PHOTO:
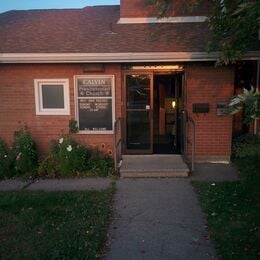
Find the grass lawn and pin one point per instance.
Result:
(233, 213)
(54, 225)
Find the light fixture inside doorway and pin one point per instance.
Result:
(159, 67)
(173, 104)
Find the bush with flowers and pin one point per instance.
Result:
(21, 159)
(71, 157)
(5, 163)
(68, 158)
(100, 164)
(23, 153)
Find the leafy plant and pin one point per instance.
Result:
(73, 126)
(247, 145)
(246, 154)
(24, 153)
(48, 167)
(233, 25)
(100, 164)
(5, 163)
(249, 100)
(68, 158)
(71, 157)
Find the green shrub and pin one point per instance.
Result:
(246, 154)
(48, 167)
(68, 158)
(71, 157)
(6, 170)
(24, 153)
(73, 126)
(100, 164)
(247, 145)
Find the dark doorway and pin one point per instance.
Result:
(168, 103)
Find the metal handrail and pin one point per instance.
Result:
(117, 144)
(190, 120)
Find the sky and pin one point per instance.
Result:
(6, 5)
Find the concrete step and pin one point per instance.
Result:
(153, 166)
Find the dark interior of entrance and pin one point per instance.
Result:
(167, 107)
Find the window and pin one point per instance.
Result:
(95, 104)
(52, 96)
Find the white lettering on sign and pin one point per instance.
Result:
(94, 81)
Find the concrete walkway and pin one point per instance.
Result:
(57, 184)
(158, 219)
(162, 219)
(153, 218)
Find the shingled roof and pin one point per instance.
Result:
(94, 30)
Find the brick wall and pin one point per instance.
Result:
(18, 106)
(204, 84)
(140, 8)
(207, 84)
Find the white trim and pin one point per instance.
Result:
(40, 110)
(176, 19)
(112, 98)
(115, 57)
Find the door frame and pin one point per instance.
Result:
(152, 73)
(124, 99)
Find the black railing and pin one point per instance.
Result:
(117, 144)
(190, 140)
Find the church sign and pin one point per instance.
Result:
(95, 103)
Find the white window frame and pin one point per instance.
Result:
(40, 110)
(112, 98)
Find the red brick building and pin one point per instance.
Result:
(98, 64)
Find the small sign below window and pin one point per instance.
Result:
(200, 108)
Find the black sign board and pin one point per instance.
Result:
(95, 104)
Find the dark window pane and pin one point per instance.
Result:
(52, 96)
(138, 130)
(138, 91)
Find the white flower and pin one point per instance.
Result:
(213, 184)
(5, 155)
(69, 148)
(61, 140)
(18, 156)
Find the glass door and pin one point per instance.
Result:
(139, 119)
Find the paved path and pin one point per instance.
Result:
(158, 219)
(161, 218)
(153, 218)
(57, 184)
